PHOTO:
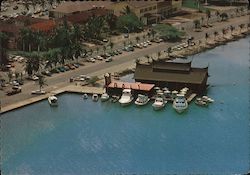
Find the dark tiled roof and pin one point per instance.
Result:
(194, 76)
(138, 4)
(83, 17)
(172, 66)
(10, 28)
(70, 7)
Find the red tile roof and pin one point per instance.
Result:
(45, 26)
(134, 86)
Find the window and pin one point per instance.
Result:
(154, 7)
(150, 8)
(141, 11)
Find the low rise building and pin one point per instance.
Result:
(68, 8)
(174, 75)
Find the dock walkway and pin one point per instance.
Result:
(191, 97)
(69, 89)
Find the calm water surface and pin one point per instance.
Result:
(84, 137)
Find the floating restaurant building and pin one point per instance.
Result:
(174, 75)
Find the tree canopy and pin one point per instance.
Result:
(129, 23)
(167, 32)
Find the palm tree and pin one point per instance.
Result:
(217, 13)
(97, 50)
(104, 49)
(169, 50)
(215, 34)
(153, 33)
(158, 55)
(196, 24)
(241, 26)
(4, 39)
(143, 37)
(231, 29)
(126, 10)
(17, 75)
(9, 74)
(206, 36)
(29, 66)
(202, 20)
(27, 37)
(147, 56)
(41, 82)
(124, 43)
(111, 44)
(208, 14)
(137, 39)
(224, 31)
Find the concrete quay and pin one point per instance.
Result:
(68, 89)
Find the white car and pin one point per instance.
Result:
(34, 77)
(91, 60)
(99, 57)
(38, 92)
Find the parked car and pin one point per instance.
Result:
(61, 69)
(91, 60)
(109, 59)
(66, 68)
(76, 65)
(15, 90)
(35, 78)
(38, 92)
(99, 57)
(47, 73)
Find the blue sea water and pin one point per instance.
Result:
(85, 137)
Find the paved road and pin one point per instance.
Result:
(121, 61)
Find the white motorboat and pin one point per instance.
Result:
(85, 96)
(126, 98)
(159, 103)
(201, 102)
(207, 99)
(180, 103)
(104, 97)
(95, 97)
(174, 94)
(142, 100)
(52, 100)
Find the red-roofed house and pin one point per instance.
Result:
(45, 26)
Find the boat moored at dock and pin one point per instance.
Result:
(95, 97)
(159, 103)
(104, 97)
(126, 97)
(142, 100)
(180, 103)
(53, 100)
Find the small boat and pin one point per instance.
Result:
(95, 97)
(104, 97)
(52, 100)
(85, 96)
(180, 103)
(142, 100)
(158, 103)
(114, 98)
(200, 102)
(207, 99)
(126, 98)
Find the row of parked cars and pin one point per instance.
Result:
(107, 57)
(63, 68)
